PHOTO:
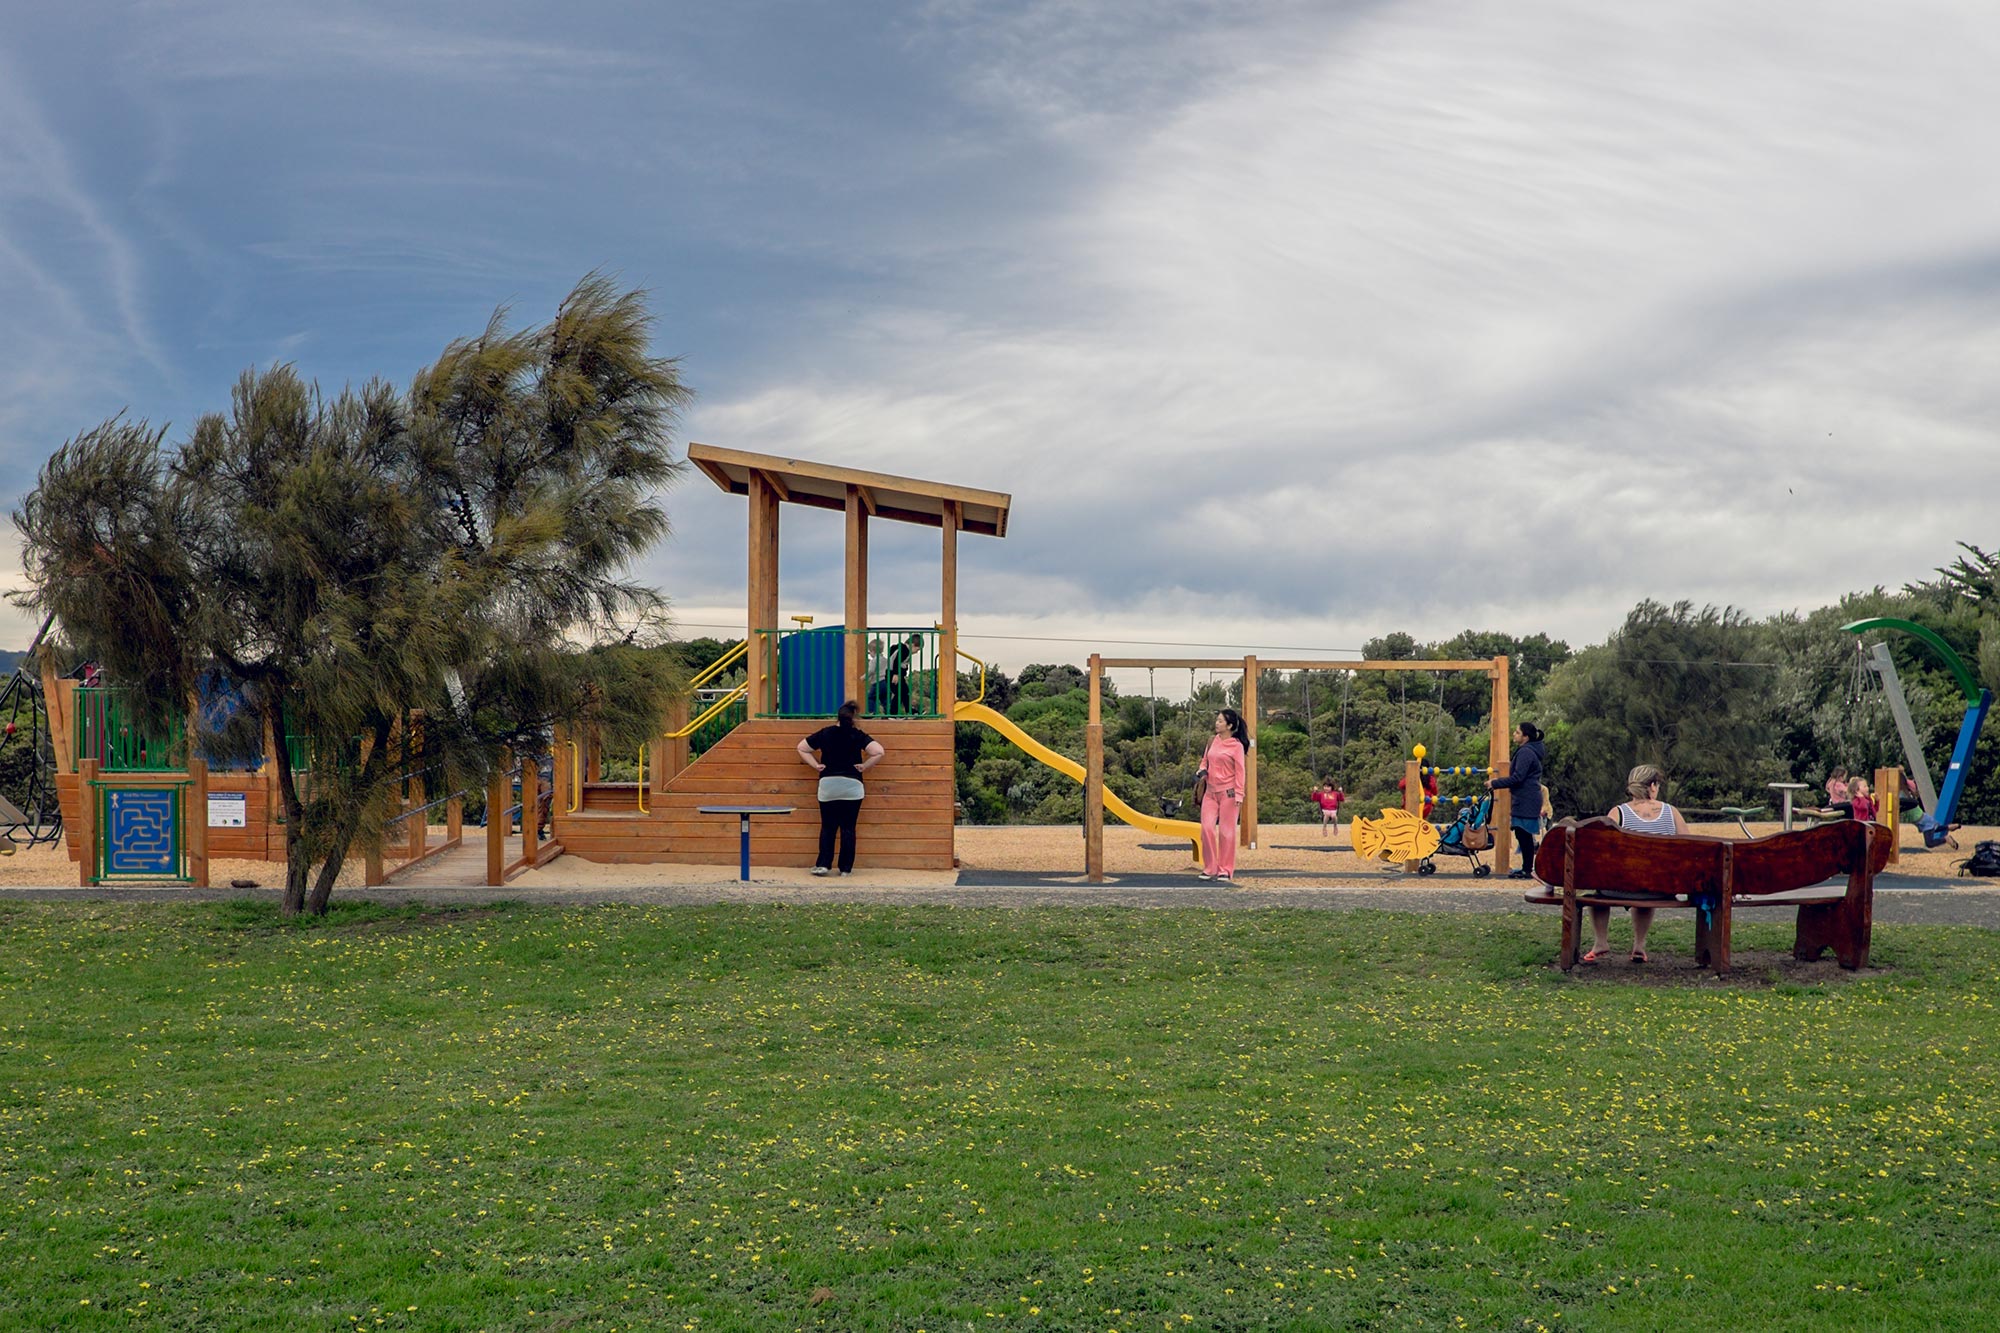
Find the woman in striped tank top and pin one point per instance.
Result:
(1644, 813)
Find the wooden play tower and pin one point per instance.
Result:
(794, 679)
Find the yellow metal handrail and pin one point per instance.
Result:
(642, 781)
(718, 666)
(739, 692)
(981, 696)
(576, 778)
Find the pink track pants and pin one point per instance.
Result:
(1218, 834)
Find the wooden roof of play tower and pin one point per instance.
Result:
(824, 486)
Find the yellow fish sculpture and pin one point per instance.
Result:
(1397, 836)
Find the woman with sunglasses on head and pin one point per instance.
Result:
(1222, 775)
(1644, 813)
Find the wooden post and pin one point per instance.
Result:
(559, 789)
(1413, 795)
(1093, 778)
(763, 606)
(854, 669)
(371, 866)
(274, 754)
(196, 820)
(454, 819)
(86, 789)
(593, 758)
(1499, 760)
(659, 771)
(674, 749)
(531, 803)
(58, 700)
(496, 821)
(1248, 814)
(417, 822)
(1888, 809)
(947, 667)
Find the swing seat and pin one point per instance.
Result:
(1739, 813)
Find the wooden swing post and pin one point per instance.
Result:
(1093, 777)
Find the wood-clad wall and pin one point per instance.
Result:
(906, 822)
(262, 840)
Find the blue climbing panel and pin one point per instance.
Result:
(139, 833)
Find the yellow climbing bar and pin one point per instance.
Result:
(981, 696)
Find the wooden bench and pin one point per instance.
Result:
(1594, 863)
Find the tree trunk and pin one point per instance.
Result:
(336, 854)
(329, 872)
(288, 792)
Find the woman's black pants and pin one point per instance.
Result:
(1525, 841)
(837, 817)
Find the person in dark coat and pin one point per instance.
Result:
(1524, 779)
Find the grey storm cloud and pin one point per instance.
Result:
(1296, 322)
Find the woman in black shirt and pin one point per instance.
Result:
(845, 752)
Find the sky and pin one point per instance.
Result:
(1286, 325)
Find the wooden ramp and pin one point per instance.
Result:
(906, 822)
(462, 865)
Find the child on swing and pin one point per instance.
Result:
(1328, 796)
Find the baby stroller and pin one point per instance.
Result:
(1467, 836)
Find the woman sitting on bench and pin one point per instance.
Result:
(1644, 813)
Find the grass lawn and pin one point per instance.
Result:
(855, 1118)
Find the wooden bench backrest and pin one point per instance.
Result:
(1805, 857)
(1610, 860)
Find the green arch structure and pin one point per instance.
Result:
(1962, 673)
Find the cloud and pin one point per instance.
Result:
(1445, 315)
(1292, 322)
(61, 252)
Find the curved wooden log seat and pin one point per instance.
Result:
(1827, 873)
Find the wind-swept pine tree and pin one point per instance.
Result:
(456, 553)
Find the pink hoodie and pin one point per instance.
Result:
(1224, 762)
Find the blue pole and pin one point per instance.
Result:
(745, 819)
(1937, 826)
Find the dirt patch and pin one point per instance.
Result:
(1749, 969)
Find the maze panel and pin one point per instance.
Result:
(142, 832)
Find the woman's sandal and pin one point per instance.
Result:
(1595, 956)
(1639, 956)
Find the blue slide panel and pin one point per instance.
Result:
(1937, 825)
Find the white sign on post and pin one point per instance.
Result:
(228, 809)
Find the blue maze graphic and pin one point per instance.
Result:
(139, 831)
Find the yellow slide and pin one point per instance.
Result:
(1069, 768)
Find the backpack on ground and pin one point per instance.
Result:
(1984, 861)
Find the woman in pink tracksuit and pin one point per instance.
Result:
(1222, 766)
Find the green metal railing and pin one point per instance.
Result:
(107, 732)
(807, 670)
(716, 722)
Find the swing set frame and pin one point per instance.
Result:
(1498, 755)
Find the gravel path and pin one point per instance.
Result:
(1899, 899)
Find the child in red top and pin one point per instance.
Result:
(1864, 804)
(1328, 797)
(1430, 789)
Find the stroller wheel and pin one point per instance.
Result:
(1427, 868)
(1481, 872)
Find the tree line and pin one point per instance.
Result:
(1723, 702)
